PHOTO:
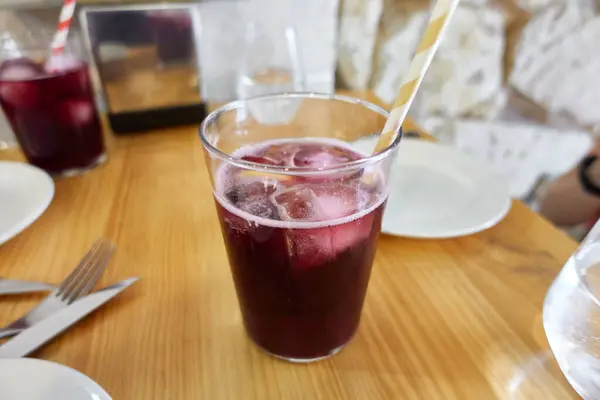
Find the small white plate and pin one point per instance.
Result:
(32, 379)
(25, 192)
(439, 192)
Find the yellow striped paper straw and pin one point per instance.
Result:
(440, 16)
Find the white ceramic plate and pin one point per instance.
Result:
(31, 379)
(25, 192)
(439, 192)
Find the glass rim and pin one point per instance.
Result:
(284, 170)
(31, 51)
(583, 249)
(38, 41)
(48, 75)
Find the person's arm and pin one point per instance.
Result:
(566, 203)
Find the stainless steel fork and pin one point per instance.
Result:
(79, 283)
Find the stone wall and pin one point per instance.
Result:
(514, 83)
(494, 50)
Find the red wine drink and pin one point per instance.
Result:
(50, 107)
(300, 219)
(300, 248)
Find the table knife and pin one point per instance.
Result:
(9, 286)
(45, 330)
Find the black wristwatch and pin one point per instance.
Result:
(584, 177)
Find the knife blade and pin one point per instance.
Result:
(45, 330)
(10, 286)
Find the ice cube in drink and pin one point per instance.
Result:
(300, 250)
(51, 110)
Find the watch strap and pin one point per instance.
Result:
(584, 177)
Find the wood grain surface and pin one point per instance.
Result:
(443, 319)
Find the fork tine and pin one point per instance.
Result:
(88, 271)
(81, 267)
(87, 283)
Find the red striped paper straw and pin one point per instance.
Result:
(64, 23)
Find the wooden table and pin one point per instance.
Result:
(443, 319)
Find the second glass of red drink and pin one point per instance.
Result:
(300, 209)
(49, 103)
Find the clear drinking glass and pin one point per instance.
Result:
(49, 101)
(270, 63)
(300, 210)
(572, 317)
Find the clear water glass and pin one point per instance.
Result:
(270, 63)
(572, 317)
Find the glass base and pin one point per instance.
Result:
(81, 170)
(305, 360)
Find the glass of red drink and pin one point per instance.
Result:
(300, 209)
(49, 103)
